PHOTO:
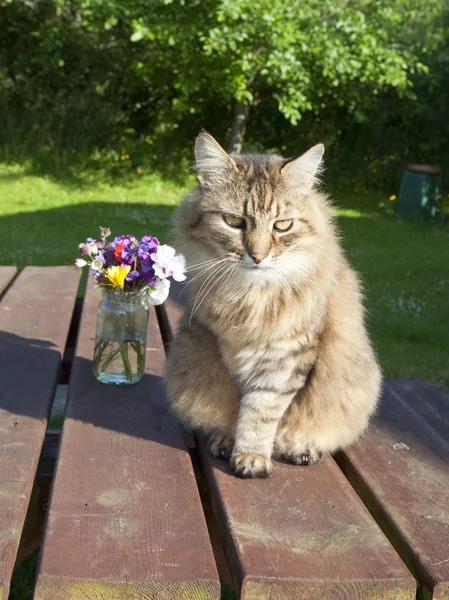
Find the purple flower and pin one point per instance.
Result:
(152, 242)
(147, 246)
(144, 254)
(109, 259)
(148, 274)
(129, 255)
(132, 275)
(126, 240)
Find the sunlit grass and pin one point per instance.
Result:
(350, 213)
(43, 221)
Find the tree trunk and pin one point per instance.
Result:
(238, 128)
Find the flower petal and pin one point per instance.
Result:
(159, 293)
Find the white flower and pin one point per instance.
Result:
(158, 293)
(166, 264)
(97, 265)
(80, 262)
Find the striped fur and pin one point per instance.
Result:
(271, 360)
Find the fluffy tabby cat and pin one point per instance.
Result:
(272, 358)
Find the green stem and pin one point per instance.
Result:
(137, 347)
(126, 363)
(109, 359)
(100, 347)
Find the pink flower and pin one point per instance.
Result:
(166, 264)
(88, 248)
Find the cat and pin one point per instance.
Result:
(272, 358)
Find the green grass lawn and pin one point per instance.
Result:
(404, 265)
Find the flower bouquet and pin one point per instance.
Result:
(132, 274)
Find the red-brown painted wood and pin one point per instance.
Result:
(430, 402)
(401, 467)
(35, 316)
(6, 275)
(125, 517)
(302, 535)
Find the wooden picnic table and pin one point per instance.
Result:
(129, 514)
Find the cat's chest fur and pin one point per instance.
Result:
(243, 358)
(261, 316)
(266, 336)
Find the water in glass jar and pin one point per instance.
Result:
(119, 362)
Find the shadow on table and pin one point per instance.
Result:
(29, 373)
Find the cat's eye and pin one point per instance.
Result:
(234, 221)
(283, 225)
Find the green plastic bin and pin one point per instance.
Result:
(420, 192)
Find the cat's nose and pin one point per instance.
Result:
(258, 256)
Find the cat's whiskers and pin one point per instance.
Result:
(215, 264)
(203, 272)
(215, 276)
(222, 279)
(217, 269)
(199, 265)
(226, 282)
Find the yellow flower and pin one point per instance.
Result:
(393, 197)
(116, 275)
(91, 194)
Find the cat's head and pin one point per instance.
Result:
(260, 213)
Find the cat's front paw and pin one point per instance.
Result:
(248, 465)
(220, 446)
(305, 458)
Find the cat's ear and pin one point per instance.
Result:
(213, 165)
(304, 171)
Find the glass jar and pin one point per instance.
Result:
(120, 340)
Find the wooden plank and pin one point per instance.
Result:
(430, 402)
(302, 535)
(6, 275)
(35, 316)
(401, 468)
(125, 518)
(33, 527)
